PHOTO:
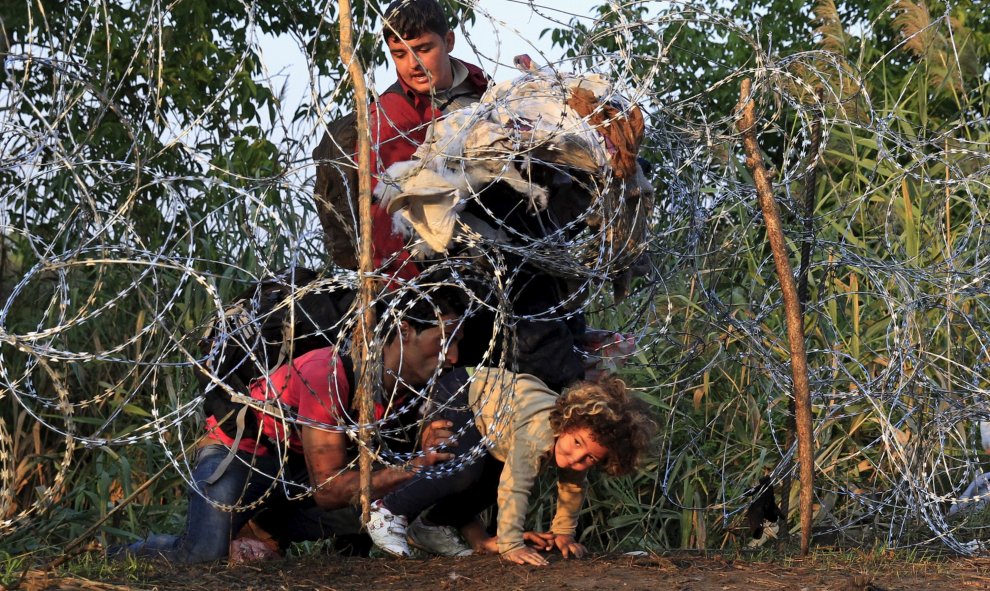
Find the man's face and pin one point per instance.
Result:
(423, 62)
(424, 351)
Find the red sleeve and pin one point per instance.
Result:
(386, 244)
(374, 126)
(397, 129)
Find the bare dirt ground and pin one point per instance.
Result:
(675, 571)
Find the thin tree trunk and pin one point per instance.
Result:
(366, 293)
(810, 189)
(792, 307)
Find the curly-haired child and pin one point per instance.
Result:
(524, 427)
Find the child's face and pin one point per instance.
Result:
(577, 450)
(423, 62)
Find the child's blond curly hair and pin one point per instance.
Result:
(616, 420)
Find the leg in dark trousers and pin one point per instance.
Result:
(422, 492)
(461, 508)
(301, 520)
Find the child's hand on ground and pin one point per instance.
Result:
(568, 547)
(475, 535)
(525, 555)
(484, 544)
(243, 550)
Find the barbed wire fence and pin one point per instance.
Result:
(106, 293)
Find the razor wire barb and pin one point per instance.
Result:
(146, 178)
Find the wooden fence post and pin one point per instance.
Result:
(792, 307)
(365, 295)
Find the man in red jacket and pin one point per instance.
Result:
(430, 83)
(303, 448)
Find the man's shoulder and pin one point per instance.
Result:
(396, 103)
(476, 76)
(323, 375)
(396, 93)
(316, 360)
(320, 353)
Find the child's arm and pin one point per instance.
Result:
(529, 443)
(521, 468)
(518, 476)
(570, 497)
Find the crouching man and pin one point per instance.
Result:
(302, 447)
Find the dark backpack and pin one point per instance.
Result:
(336, 190)
(268, 324)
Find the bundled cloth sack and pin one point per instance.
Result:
(546, 161)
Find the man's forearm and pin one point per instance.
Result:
(341, 490)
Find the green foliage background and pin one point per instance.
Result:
(151, 138)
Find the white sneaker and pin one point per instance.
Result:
(388, 531)
(436, 539)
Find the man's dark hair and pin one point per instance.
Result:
(441, 301)
(409, 19)
(420, 308)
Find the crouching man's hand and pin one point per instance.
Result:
(568, 547)
(436, 434)
(485, 546)
(430, 458)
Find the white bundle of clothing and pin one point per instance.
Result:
(572, 123)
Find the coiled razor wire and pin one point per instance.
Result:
(115, 263)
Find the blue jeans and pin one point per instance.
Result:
(209, 529)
